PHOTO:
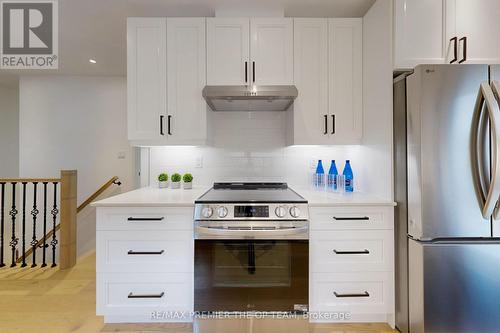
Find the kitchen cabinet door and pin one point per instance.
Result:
(311, 79)
(420, 35)
(345, 62)
(146, 78)
(271, 51)
(186, 121)
(478, 21)
(228, 51)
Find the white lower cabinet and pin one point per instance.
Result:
(145, 296)
(353, 297)
(351, 264)
(145, 264)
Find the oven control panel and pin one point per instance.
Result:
(245, 211)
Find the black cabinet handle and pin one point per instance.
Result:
(352, 252)
(132, 252)
(246, 71)
(464, 50)
(253, 71)
(360, 218)
(168, 124)
(454, 40)
(146, 218)
(160, 295)
(365, 294)
(333, 124)
(326, 124)
(161, 125)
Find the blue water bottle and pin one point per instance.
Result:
(319, 176)
(348, 177)
(332, 176)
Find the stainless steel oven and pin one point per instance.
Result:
(251, 255)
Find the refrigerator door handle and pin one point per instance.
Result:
(495, 86)
(486, 96)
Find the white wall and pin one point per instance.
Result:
(76, 122)
(9, 132)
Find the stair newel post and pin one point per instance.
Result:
(68, 213)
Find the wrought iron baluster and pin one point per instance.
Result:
(2, 222)
(44, 246)
(23, 238)
(54, 213)
(13, 212)
(34, 213)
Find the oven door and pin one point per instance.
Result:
(251, 275)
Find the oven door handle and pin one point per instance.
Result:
(234, 233)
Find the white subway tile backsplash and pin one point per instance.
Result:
(250, 146)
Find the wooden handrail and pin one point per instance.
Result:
(94, 196)
(30, 180)
(97, 193)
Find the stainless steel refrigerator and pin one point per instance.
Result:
(447, 186)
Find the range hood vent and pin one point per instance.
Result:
(245, 98)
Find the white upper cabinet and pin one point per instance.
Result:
(328, 75)
(146, 78)
(271, 51)
(310, 109)
(446, 31)
(477, 25)
(228, 51)
(242, 51)
(166, 73)
(419, 33)
(186, 77)
(345, 76)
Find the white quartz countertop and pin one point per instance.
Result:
(325, 198)
(153, 197)
(156, 197)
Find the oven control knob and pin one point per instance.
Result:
(206, 212)
(280, 211)
(295, 211)
(222, 211)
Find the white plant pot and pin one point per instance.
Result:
(188, 186)
(176, 185)
(163, 184)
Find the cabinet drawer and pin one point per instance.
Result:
(145, 251)
(354, 293)
(350, 251)
(144, 218)
(143, 294)
(339, 218)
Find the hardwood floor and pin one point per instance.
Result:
(53, 301)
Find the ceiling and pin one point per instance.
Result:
(96, 29)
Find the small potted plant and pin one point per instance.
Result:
(188, 181)
(163, 180)
(176, 180)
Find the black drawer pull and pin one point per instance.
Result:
(160, 295)
(365, 294)
(132, 252)
(146, 218)
(352, 252)
(360, 218)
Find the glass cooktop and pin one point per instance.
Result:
(251, 193)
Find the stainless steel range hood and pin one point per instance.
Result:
(248, 98)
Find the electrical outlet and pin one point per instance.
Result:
(313, 163)
(199, 162)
